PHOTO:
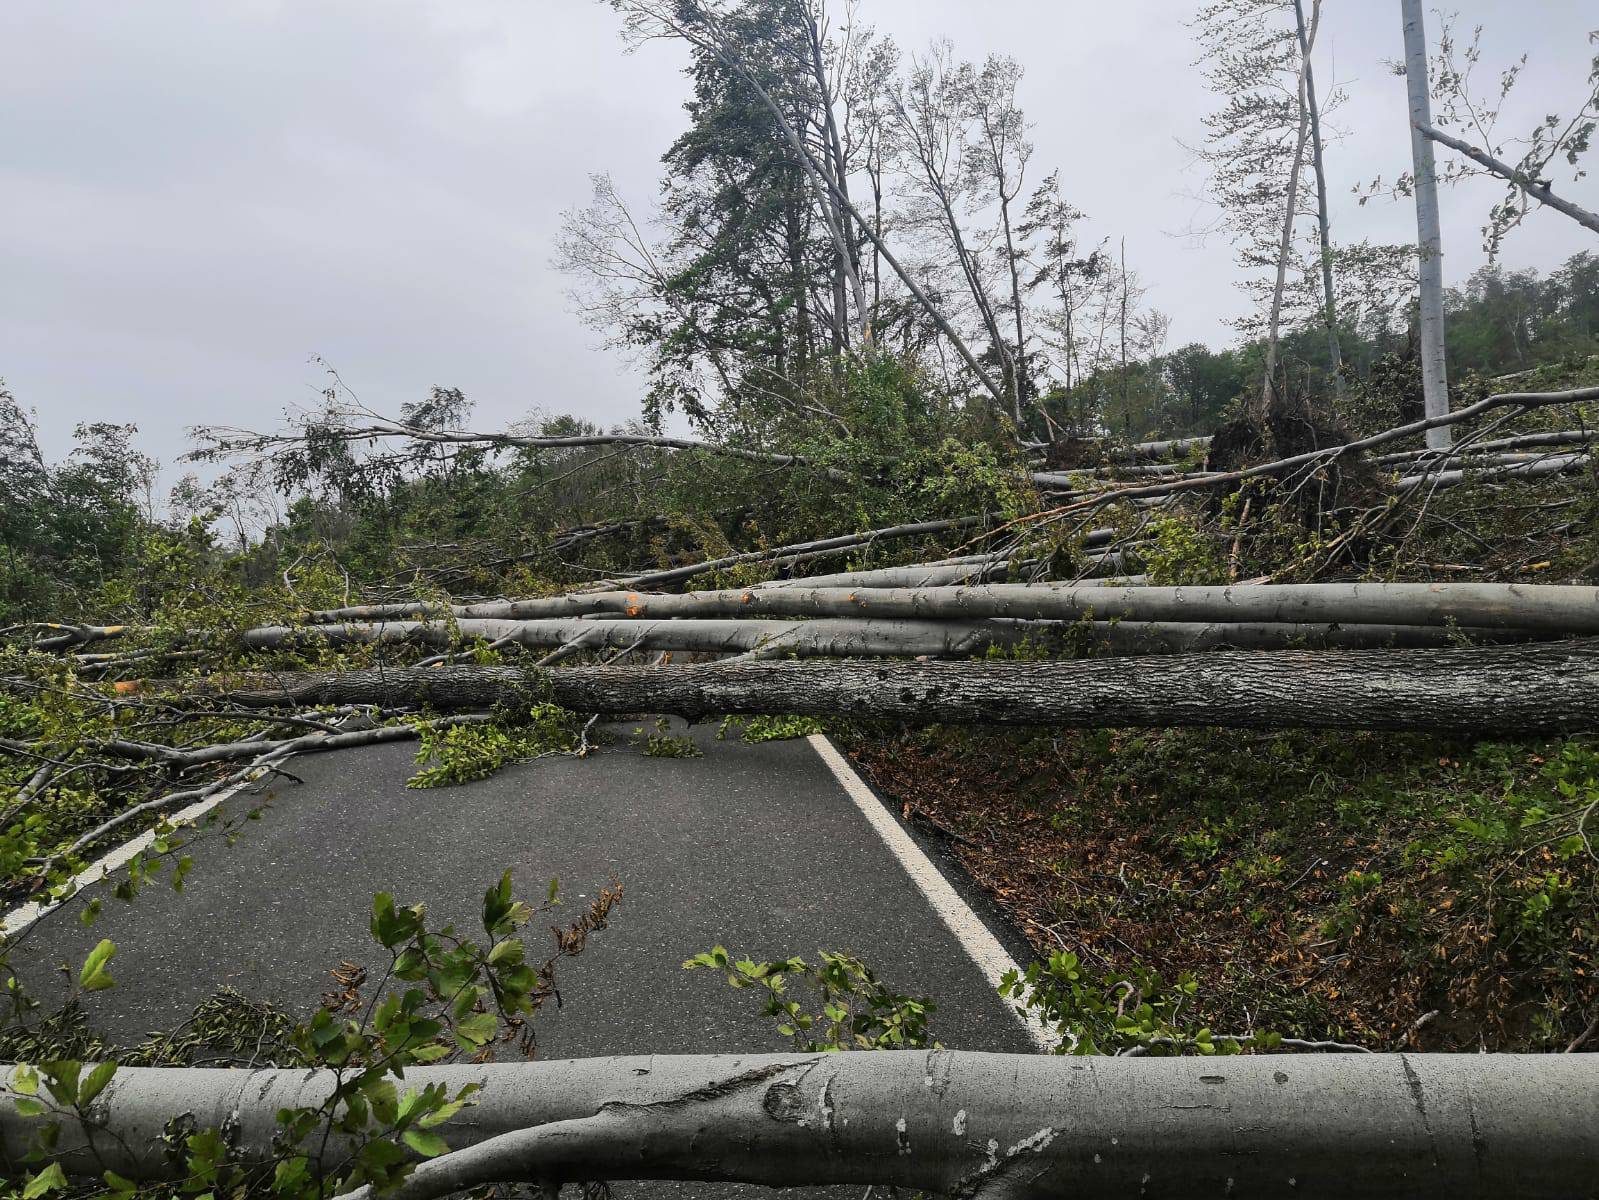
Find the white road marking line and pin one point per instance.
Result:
(20, 918)
(984, 949)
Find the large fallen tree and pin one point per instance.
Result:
(947, 1122)
(845, 637)
(1503, 690)
(1556, 608)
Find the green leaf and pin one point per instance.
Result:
(93, 977)
(29, 1107)
(51, 1179)
(96, 1082)
(428, 1145)
(441, 1115)
(478, 1028)
(508, 951)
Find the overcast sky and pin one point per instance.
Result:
(196, 196)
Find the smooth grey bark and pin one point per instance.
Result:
(1550, 464)
(846, 637)
(1503, 690)
(1455, 1127)
(848, 541)
(1169, 446)
(1429, 236)
(1557, 437)
(841, 638)
(794, 552)
(1549, 608)
(1536, 188)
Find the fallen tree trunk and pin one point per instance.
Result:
(1555, 464)
(1505, 691)
(953, 1123)
(1521, 441)
(858, 637)
(795, 552)
(840, 638)
(1549, 608)
(1318, 458)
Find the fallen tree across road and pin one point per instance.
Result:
(1451, 1126)
(1503, 690)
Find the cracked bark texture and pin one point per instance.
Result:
(958, 1123)
(1503, 690)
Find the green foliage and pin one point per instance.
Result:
(662, 743)
(1180, 551)
(440, 996)
(1117, 1012)
(461, 753)
(849, 1008)
(770, 727)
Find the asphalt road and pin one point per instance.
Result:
(755, 847)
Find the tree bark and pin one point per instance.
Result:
(857, 637)
(1455, 1127)
(1549, 608)
(1535, 188)
(1324, 224)
(1268, 388)
(834, 638)
(1429, 236)
(1505, 691)
(1558, 437)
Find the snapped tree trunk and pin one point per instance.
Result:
(958, 1123)
(1503, 690)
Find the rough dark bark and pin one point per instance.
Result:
(1455, 1127)
(1505, 691)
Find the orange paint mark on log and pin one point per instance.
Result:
(634, 604)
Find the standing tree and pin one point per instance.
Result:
(1256, 57)
(1429, 238)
